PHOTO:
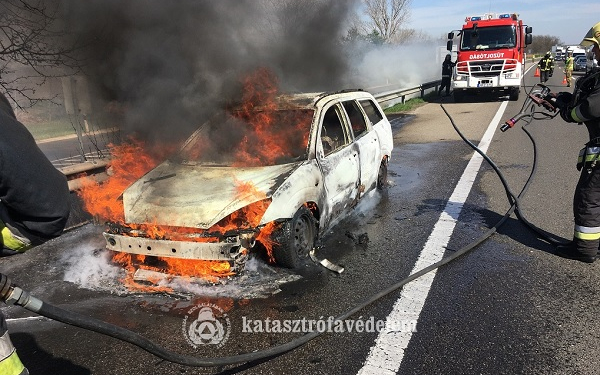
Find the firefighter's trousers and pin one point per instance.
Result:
(586, 209)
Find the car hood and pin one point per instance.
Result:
(198, 196)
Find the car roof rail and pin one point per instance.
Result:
(327, 93)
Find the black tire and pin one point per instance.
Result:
(295, 239)
(459, 97)
(382, 176)
(514, 95)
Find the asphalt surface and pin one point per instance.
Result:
(509, 306)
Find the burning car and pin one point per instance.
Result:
(276, 173)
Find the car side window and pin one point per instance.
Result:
(332, 131)
(372, 111)
(355, 115)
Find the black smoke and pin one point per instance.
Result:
(168, 65)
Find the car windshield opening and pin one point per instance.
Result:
(486, 38)
(250, 138)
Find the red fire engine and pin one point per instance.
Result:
(490, 55)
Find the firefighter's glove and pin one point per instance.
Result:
(565, 113)
(562, 100)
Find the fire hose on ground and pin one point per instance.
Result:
(12, 294)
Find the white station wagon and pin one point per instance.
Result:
(277, 175)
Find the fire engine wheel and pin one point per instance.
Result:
(295, 239)
(458, 97)
(383, 175)
(514, 94)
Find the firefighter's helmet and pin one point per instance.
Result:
(592, 37)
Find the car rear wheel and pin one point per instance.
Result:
(295, 239)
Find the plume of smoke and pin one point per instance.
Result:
(395, 65)
(173, 63)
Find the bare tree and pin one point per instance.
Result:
(387, 17)
(543, 43)
(33, 48)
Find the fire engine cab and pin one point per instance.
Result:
(490, 55)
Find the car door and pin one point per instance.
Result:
(339, 164)
(366, 143)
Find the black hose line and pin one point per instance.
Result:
(10, 293)
(512, 198)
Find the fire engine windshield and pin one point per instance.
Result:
(488, 38)
(250, 139)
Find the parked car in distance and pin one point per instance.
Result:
(580, 64)
(317, 155)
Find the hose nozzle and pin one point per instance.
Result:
(508, 124)
(13, 295)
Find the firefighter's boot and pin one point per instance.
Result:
(572, 251)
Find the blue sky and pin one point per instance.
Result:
(568, 20)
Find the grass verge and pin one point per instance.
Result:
(409, 105)
(50, 129)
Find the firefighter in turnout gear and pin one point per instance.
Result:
(447, 66)
(34, 195)
(583, 106)
(34, 206)
(546, 65)
(569, 68)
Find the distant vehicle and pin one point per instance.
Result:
(580, 64)
(576, 51)
(559, 53)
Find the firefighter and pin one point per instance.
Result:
(34, 206)
(569, 68)
(583, 106)
(34, 195)
(447, 66)
(546, 65)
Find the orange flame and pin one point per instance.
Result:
(265, 143)
(270, 141)
(129, 162)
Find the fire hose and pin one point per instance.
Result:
(12, 294)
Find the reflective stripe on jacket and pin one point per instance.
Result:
(10, 364)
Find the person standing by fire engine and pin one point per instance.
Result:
(34, 206)
(583, 106)
(569, 68)
(447, 66)
(546, 65)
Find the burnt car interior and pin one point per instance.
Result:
(372, 113)
(332, 131)
(238, 138)
(357, 121)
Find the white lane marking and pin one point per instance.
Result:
(386, 355)
(28, 318)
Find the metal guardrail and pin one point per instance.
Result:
(97, 170)
(389, 98)
(78, 174)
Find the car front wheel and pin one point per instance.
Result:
(295, 239)
(382, 176)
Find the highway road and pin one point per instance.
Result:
(509, 306)
(68, 150)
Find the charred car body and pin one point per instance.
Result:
(321, 153)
